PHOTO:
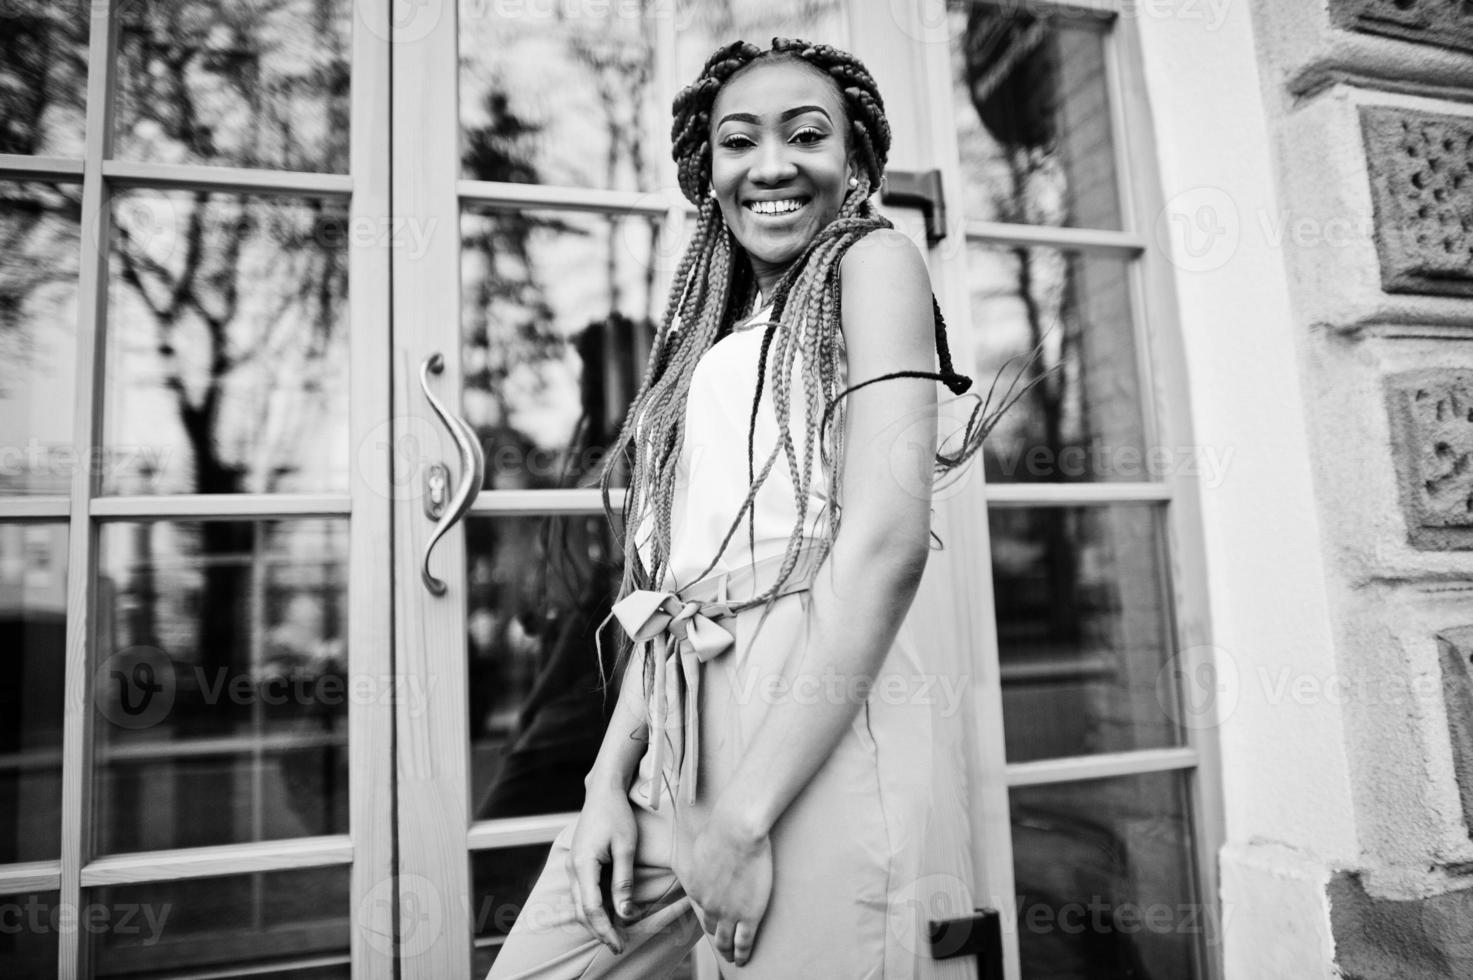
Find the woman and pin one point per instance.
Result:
(757, 791)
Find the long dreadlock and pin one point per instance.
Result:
(713, 286)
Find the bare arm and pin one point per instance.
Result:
(626, 737)
(866, 585)
(606, 833)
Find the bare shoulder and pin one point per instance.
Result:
(886, 302)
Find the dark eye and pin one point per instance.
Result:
(809, 131)
(735, 136)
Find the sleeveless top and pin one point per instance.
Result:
(711, 473)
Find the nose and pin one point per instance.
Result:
(772, 164)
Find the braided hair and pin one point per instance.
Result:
(714, 285)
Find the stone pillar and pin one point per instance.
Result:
(1372, 128)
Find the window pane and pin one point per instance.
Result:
(703, 26)
(557, 315)
(263, 86)
(28, 941)
(227, 345)
(1032, 110)
(43, 78)
(1083, 421)
(222, 683)
(1083, 629)
(292, 924)
(538, 589)
(1106, 880)
(33, 561)
(556, 93)
(38, 334)
(501, 879)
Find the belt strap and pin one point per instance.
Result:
(674, 626)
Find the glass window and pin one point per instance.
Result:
(293, 924)
(33, 562)
(703, 26)
(538, 588)
(1083, 421)
(1083, 629)
(1032, 108)
(1106, 881)
(263, 86)
(29, 927)
(501, 879)
(43, 78)
(558, 93)
(227, 345)
(557, 316)
(41, 227)
(222, 683)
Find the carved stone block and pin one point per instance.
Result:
(1441, 22)
(1421, 167)
(1431, 414)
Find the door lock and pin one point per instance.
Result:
(437, 485)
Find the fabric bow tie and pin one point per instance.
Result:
(689, 628)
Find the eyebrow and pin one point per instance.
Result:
(787, 114)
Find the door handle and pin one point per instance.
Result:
(472, 469)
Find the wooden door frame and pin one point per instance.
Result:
(432, 751)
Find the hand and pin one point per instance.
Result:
(605, 835)
(728, 876)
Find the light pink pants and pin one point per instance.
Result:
(850, 893)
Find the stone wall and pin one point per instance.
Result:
(1370, 108)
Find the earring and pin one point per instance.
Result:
(853, 181)
(711, 192)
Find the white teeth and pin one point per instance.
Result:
(775, 207)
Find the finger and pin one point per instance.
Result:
(574, 892)
(623, 879)
(591, 902)
(743, 940)
(724, 944)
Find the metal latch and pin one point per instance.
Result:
(978, 935)
(918, 189)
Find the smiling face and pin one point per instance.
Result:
(780, 160)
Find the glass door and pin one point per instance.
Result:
(1095, 783)
(197, 721)
(300, 554)
(531, 143)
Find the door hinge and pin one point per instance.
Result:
(978, 935)
(918, 189)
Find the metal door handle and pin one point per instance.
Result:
(472, 469)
